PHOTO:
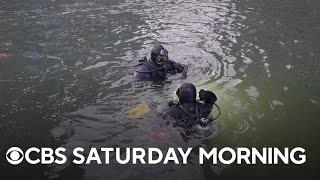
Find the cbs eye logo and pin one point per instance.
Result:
(14, 155)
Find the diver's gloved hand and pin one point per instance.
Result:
(204, 122)
(179, 68)
(207, 96)
(171, 103)
(172, 72)
(185, 72)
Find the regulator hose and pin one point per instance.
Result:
(218, 110)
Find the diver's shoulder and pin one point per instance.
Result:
(144, 66)
(172, 111)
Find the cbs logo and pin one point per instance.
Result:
(46, 155)
(14, 155)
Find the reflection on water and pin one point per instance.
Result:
(68, 78)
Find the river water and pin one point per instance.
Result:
(66, 79)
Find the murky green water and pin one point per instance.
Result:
(67, 80)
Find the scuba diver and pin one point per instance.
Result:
(159, 65)
(189, 112)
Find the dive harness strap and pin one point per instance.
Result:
(197, 114)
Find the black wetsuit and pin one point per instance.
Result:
(188, 114)
(148, 70)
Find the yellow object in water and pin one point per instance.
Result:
(139, 110)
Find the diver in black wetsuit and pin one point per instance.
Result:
(189, 111)
(159, 65)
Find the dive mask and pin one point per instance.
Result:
(162, 57)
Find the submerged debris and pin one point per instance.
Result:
(159, 134)
(4, 54)
(138, 111)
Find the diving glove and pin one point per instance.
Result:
(204, 122)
